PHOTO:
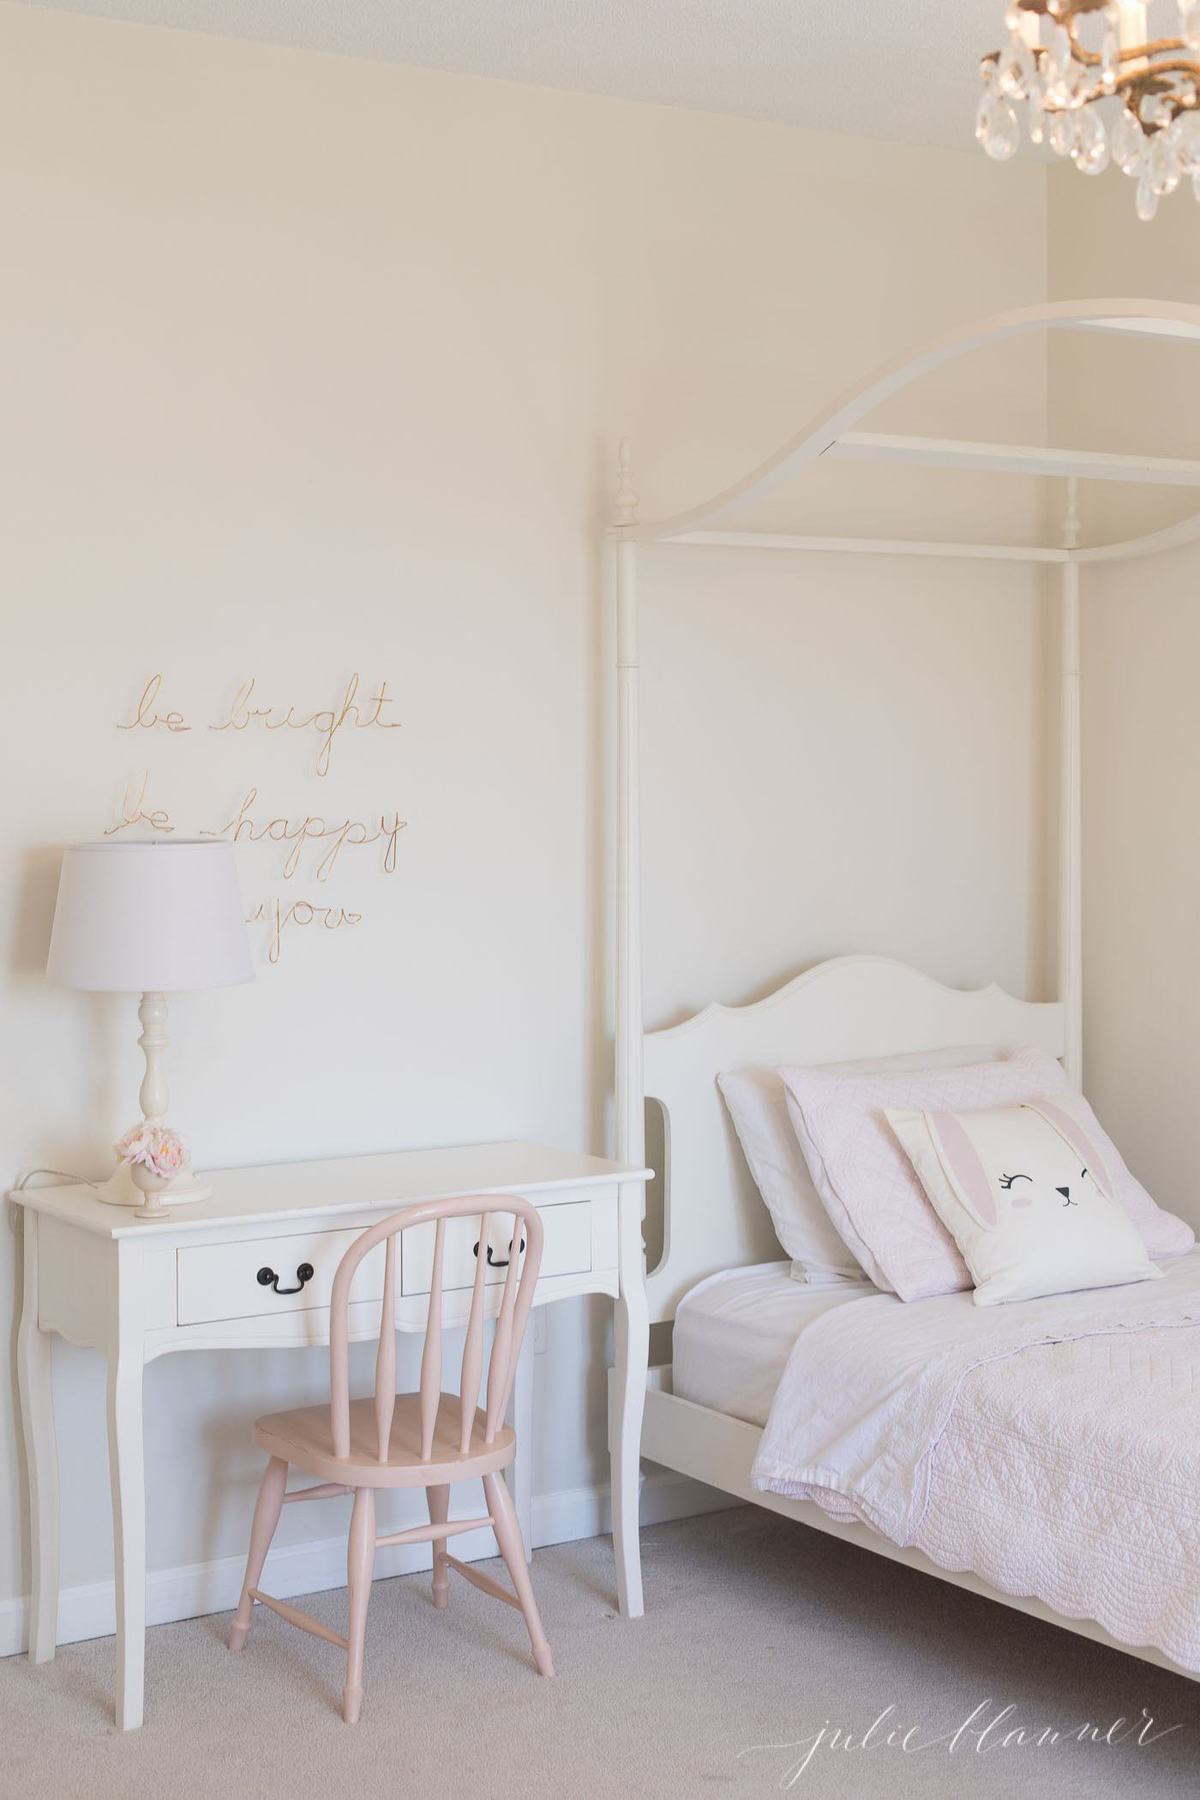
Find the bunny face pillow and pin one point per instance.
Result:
(1026, 1196)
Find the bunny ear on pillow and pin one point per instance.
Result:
(963, 1167)
(1079, 1139)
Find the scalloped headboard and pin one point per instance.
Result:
(855, 1006)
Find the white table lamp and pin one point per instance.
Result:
(151, 919)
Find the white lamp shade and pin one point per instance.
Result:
(146, 918)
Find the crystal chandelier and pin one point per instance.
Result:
(1066, 58)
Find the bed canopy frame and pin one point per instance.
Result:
(833, 434)
(688, 1050)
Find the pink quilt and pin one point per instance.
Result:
(1055, 1452)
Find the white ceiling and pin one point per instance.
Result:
(905, 69)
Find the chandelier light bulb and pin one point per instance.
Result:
(1134, 32)
(1057, 57)
(1110, 59)
(1095, 83)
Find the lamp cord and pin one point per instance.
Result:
(60, 1175)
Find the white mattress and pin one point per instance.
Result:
(733, 1333)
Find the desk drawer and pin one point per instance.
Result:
(221, 1281)
(567, 1249)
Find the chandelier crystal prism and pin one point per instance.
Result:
(1068, 63)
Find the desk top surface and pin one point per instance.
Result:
(346, 1184)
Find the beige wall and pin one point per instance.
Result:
(1141, 647)
(317, 365)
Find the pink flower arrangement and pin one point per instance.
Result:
(156, 1148)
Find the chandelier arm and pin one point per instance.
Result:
(1178, 66)
(1089, 58)
(1041, 7)
(1136, 53)
(1128, 85)
(1156, 47)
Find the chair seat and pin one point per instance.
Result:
(305, 1437)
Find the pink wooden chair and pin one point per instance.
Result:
(428, 1439)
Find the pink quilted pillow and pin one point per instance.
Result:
(868, 1186)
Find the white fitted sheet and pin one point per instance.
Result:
(734, 1333)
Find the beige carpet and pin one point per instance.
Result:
(758, 1633)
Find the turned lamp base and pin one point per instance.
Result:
(136, 1184)
(182, 1190)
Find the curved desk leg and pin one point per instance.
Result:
(41, 1454)
(627, 1401)
(127, 1474)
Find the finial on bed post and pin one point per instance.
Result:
(626, 507)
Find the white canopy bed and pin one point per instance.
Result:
(717, 1231)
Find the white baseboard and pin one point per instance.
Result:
(195, 1589)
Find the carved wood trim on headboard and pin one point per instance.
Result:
(854, 1006)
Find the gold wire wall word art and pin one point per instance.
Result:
(313, 830)
(134, 810)
(146, 715)
(310, 844)
(280, 915)
(326, 722)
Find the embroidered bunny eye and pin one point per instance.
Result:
(1006, 1181)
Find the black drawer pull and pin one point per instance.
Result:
(497, 1262)
(268, 1278)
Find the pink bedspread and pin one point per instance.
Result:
(1079, 1482)
(1055, 1451)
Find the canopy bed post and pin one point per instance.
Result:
(1070, 890)
(627, 1390)
(631, 1126)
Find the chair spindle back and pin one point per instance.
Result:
(520, 1280)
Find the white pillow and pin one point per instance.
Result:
(757, 1102)
(1027, 1195)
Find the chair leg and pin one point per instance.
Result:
(512, 1549)
(266, 1517)
(438, 1499)
(360, 1569)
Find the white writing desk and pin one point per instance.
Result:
(252, 1267)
